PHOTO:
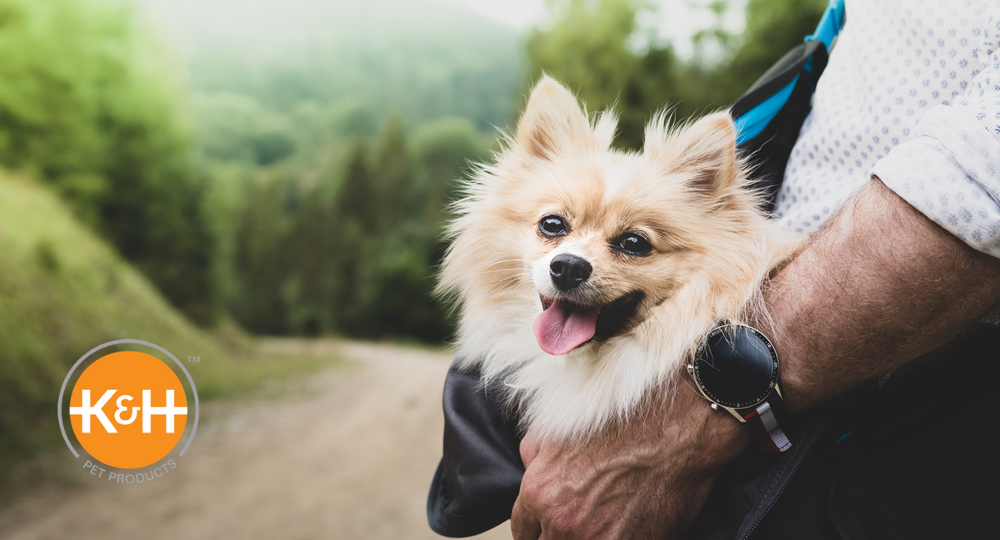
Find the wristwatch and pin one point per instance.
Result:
(736, 368)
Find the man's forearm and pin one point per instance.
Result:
(879, 286)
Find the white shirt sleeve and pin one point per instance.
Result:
(950, 170)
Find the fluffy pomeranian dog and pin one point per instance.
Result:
(586, 276)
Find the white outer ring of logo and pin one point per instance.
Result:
(62, 391)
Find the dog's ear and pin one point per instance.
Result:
(553, 121)
(706, 150)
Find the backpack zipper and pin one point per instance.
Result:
(806, 450)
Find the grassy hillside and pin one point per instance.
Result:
(63, 291)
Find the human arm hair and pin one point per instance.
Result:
(879, 286)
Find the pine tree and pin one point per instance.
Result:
(354, 216)
(392, 179)
(312, 242)
(261, 261)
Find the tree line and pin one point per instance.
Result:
(354, 251)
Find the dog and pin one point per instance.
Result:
(585, 276)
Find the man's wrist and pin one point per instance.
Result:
(788, 340)
(723, 437)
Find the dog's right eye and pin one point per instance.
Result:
(553, 225)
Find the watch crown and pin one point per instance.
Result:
(690, 368)
(715, 406)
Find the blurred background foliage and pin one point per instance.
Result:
(602, 50)
(190, 171)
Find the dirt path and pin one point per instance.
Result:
(349, 455)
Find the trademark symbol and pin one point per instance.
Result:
(194, 359)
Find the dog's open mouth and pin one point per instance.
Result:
(564, 325)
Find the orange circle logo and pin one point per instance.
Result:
(128, 409)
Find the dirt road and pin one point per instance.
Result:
(348, 455)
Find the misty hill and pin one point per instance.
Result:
(421, 59)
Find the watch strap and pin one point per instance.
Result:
(763, 421)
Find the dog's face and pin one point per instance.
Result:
(596, 237)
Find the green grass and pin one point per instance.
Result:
(63, 291)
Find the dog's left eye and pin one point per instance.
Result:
(633, 244)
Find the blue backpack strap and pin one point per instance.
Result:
(830, 24)
(750, 123)
(769, 115)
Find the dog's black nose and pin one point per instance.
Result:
(569, 271)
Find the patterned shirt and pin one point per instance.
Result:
(911, 94)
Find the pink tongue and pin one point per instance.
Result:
(563, 327)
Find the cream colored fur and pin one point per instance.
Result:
(687, 192)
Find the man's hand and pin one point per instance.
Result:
(645, 479)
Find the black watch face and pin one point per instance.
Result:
(736, 366)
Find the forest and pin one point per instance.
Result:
(284, 167)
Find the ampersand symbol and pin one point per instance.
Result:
(123, 408)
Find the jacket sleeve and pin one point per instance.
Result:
(951, 170)
(479, 476)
